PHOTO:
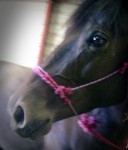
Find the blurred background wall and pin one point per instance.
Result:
(31, 29)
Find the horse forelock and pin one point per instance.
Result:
(113, 12)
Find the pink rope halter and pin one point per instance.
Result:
(87, 123)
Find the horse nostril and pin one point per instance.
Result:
(19, 115)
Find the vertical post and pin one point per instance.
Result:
(45, 30)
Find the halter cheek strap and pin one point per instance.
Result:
(87, 123)
(62, 91)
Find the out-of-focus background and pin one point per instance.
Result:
(31, 29)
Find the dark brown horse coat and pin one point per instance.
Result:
(94, 46)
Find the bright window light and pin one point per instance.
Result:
(21, 26)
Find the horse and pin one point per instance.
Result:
(65, 134)
(95, 45)
(11, 77)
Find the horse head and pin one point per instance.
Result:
(94, 46)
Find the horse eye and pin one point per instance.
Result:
(97, 40)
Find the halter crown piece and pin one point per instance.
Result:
(87, 123)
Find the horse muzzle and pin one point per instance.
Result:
(29, 127)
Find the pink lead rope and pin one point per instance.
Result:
(87, 123)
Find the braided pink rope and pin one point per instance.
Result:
(124, 68)
(88, 124)
(121, 70)
(62, 91)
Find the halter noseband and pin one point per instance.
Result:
(87, 123)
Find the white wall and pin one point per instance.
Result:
(21, 25)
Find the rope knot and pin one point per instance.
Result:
(87, 123)
(124, 68)
(62, 91)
